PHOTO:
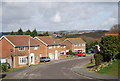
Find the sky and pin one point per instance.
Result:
(58, 16)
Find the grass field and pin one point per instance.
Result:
(112, 69)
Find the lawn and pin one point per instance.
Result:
(112, 69)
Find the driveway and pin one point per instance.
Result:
(54, 70)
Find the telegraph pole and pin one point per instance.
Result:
(29, 52)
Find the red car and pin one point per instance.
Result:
(81, 54)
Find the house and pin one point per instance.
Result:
(20, 50)
(51, 47)
(75, 44)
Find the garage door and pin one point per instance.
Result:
(51, 55)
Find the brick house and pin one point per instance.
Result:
(75, 44)
(51, 47)
(19, 50)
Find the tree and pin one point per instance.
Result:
(115, 29)
(20, 32)
(46, 34)
(12, 33)
(28, 32)
(109, 47)
(91, 45)
(98, 59)
(34, 33)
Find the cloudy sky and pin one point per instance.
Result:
(55, 16)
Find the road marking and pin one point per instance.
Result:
(86, 76)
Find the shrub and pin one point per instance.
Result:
(98, 59)
(117, 56)
(75, 52)
(4, 67)
(70, 53)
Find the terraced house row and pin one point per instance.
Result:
(23, 50)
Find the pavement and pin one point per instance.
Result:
(73, 68)
(82, 70)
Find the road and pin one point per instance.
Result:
(57, 70)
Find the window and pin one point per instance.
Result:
(2, 60)
(40, 55)
(50, 47)
(83, 44)
(64, 46)
(21, 48)
(75, 45)
(36, 57)
(36, 47)
(23, 60)
(62, 52)
(58, 46)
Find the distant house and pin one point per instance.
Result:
(75, 44)
(97, 48)
(51, 47)
(19, 50)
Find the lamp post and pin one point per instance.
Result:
(29, 52)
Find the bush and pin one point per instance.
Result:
(70, 53)
(117, 56)
(75, 52)
(98, 59)
(4, 67)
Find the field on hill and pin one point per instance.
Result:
(88, 37)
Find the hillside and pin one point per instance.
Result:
(88, 37)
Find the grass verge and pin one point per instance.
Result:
(12, 70)
(112, 69)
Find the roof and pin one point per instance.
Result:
(48, 40)
(21, 40)
(112, 34)
(75, 40)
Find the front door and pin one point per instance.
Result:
(32, 58)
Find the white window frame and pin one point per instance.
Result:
(36, 47)
(75, 45)
(20, 49)
(36, 58)
(58, 46)
(83, 44)
(40, 55)
(21, 58)
(3, 60)
(64, 47)
(50, 47)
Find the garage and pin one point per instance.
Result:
(51, 55)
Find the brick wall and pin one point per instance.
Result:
(68, 45)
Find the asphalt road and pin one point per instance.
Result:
(57, 70)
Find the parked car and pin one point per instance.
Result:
(44, 59)
(81, 54)
(7, 64)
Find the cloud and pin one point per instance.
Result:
(52, 16)
(57, 17)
